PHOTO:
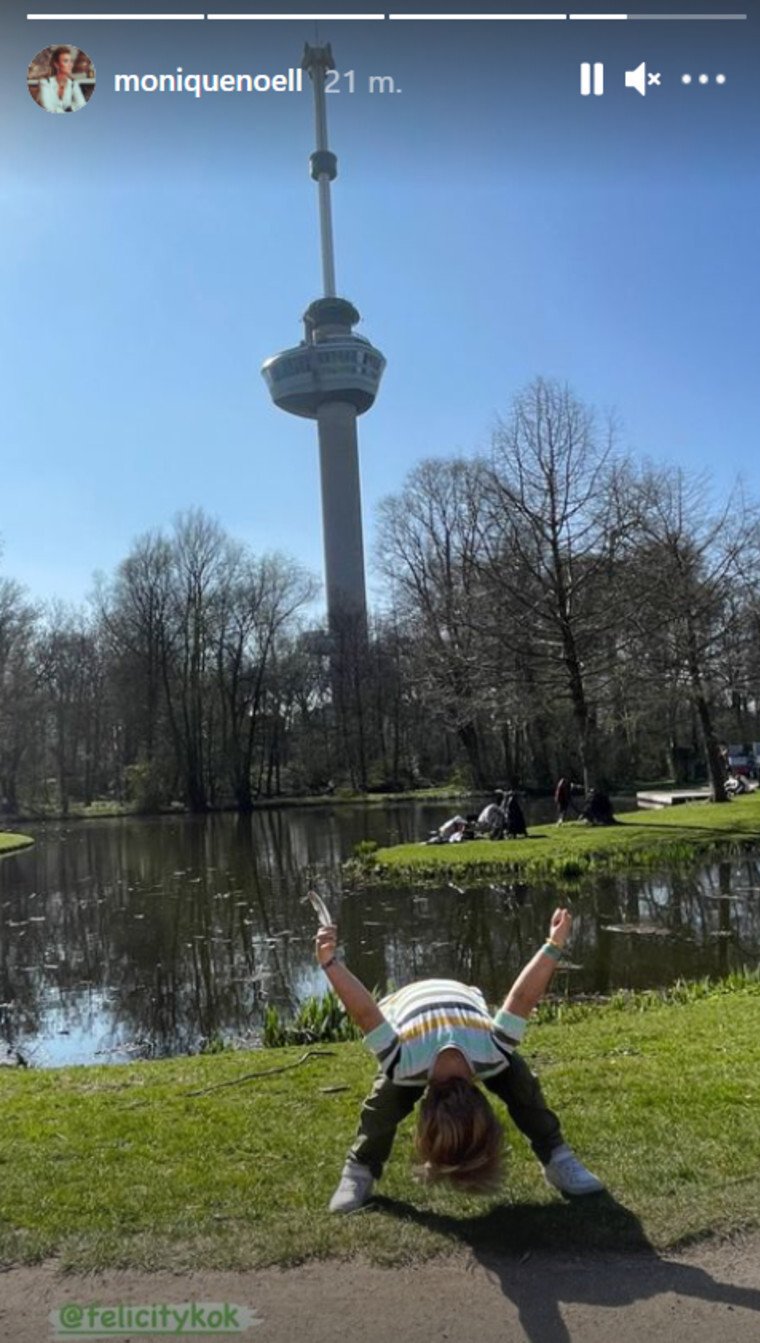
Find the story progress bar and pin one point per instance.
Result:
(489, 18)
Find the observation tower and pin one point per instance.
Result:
(331, 376)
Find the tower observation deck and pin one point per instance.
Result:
(331, 376)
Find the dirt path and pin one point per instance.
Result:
(709, 1295)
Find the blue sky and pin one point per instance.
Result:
(490, 225)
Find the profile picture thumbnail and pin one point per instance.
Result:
(61, 78)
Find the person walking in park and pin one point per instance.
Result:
(435, 1042)
(563, 798)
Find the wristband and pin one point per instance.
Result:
(552, 949)
(327, 964)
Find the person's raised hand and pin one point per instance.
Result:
(326, 942)
(559, 929)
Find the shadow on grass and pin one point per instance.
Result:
(625, 1269)
(596, 1222)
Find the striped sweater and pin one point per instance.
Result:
(432, 1014)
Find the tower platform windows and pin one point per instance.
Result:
(341, 369)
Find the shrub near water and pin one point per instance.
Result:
(365, 849)
(317, 1020)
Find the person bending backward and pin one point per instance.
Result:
(435, 1042)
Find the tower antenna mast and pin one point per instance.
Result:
(324, 164)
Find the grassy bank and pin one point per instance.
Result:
(641, 839)
(119, 1166)
(11, 843)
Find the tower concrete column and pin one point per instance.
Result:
(341, 508)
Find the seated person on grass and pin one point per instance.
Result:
(492, 818)
(515, 827)
(598, 809)
(456, 830)
(435, 1041)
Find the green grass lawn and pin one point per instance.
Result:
(10, 843)
(642, 839)
(117, 1166)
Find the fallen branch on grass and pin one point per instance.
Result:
(247, 1077)
(266, 1072)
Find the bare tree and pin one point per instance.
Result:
(199, 551)
(429, 539)
(70, 676)
(557, 523)
(18, 688)
(691, 566)
(134, 609)
(257, 603)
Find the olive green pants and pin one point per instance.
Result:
(388, 1103)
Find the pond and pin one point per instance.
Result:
(141, 938)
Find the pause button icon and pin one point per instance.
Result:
(598, 82)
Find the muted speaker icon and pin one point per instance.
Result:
(639, 79)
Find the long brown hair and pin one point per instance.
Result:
(459, 1138)
(55, 55)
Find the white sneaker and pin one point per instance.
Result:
(566, 1173)
(355, 1188)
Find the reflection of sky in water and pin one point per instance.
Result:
(136, 939)
(77, 1031)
